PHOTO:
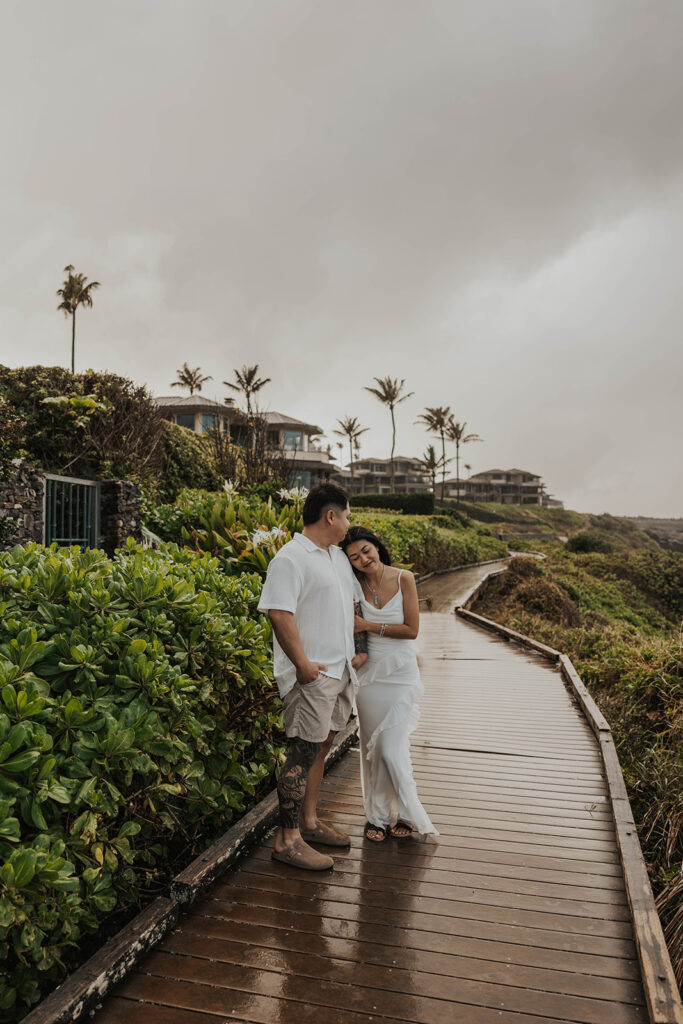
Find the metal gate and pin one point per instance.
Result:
(72, 508)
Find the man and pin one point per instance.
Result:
(308, 595)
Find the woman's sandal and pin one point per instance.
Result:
(401, 825)
(369, 827)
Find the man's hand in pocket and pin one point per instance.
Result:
(309, 671)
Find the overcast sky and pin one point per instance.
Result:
(485, 198)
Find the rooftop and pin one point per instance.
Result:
(196, 402)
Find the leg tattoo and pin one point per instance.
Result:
(291, 785)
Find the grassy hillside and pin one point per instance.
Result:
(618, 615)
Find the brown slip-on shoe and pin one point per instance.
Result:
(301, 855)
(328, 835)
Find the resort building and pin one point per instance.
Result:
(504, 486)
(197, 412)
(310, 463)
(373, 476)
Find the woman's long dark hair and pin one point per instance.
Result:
(362, 533)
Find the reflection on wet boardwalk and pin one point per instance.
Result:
(515, 914)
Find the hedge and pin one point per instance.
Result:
(418, 504)
(425, 545)
(138, 719)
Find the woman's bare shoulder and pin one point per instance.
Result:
(408, 580)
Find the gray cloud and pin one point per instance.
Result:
(484, 198)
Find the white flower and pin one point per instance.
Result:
(230, 488)
(266, 536)
(293, 494)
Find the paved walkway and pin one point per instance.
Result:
(515, 914)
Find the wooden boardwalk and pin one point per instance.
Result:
(515, 914)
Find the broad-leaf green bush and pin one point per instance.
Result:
(241, 530)
(138, 719)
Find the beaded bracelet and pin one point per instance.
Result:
(385, 626)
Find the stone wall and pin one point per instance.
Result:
(22, 499)
(119, 513)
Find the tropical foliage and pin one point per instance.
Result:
(88, 425)
(11, 431)
(248, 383)
(456, 433)
(350, 428)
(436, 419)
(244, 537)
(389, 391)
(187, 461)
(138, 720)
(433, 463)
(192, 379)
(74, 293)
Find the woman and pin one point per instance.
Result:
(389, 688)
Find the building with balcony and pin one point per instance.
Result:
(310, 463)
(373, 476)
(198, 413)
(298, 439)
(504, 486)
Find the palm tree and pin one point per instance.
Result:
(433, 463)
(74, 293)
(388, 391)
(435, 418)
(192, 379)
(351, 429)
(248, 382)
(469, 470)
(455, 432)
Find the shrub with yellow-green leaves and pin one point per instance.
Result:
(138, 719)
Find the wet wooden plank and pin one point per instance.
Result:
(196, 983)
(490, 964)
(507, 944)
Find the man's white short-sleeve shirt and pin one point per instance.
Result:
(316, 585)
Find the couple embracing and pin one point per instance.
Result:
(344, 624)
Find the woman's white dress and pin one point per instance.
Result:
(387, 696)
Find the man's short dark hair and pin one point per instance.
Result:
(320, 498)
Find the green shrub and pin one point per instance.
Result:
(588, 540)
(418, 542)
(101, 425)
(625, 642)
(139, 718)
(187, 462)
(417, 504)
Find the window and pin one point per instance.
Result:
(293, 439)
(303, 478)
(209, 421)
(185, 419)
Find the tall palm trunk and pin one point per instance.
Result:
(351, 455)
(393, 445)
(457, 472)
(443, 467)
(73, 341)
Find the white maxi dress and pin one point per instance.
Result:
(389, 688)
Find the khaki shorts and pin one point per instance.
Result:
(314, 710)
